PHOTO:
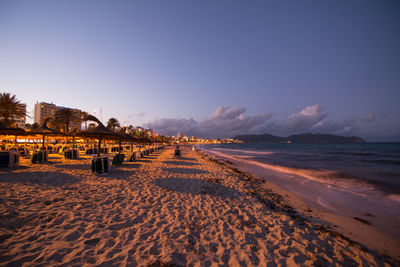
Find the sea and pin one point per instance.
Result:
(349, 179)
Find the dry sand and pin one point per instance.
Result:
(159, 210)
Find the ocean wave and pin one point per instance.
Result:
(322, 203)
(394, 197)
(246, 151)
(244, 157)
(384, 161)
(330, 178)
(356, 153)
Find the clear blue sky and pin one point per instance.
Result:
(212, 68)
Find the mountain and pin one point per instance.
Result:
(262, 138)
(305, 138)
(324, 138)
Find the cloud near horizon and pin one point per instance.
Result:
(369, 118)
(233, 120)
(309, 117)
(228, 121)
(225, 121)
(314, 119)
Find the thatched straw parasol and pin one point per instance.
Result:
(99, 132)
(124, 137)
(11, 131)
(75, 132)
(44, 130)
(142, 140)
(130, 138)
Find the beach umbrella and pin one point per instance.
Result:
(11, 131)
(100, 132)
(130, 138)
(73, 134)
(124, 137)
(141, 140)
(44, 131)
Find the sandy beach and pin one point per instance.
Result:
(162, 211)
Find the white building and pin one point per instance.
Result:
(45, 110)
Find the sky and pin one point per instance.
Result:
(211, 68)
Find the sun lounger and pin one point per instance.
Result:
(23, 151)
(91, 151)
(115, 149)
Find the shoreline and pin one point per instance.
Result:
(190, 210)
(358, 230)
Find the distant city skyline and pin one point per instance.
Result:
(212, 69)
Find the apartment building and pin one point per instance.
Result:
(45, 110)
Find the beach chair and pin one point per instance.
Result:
(23, 151)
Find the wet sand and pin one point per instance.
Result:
(375, 229)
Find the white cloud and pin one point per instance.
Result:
(346, 127)
(233, 120)
(225, 121)
(309, 117)
(369, 118)
(228, 121)
(140, 115)
(173, 126)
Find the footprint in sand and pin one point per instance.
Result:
(92, 242)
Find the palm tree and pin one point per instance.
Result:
(10, 107)
(130, 128)
(113, 123)
(65, 116)
(85, 118)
